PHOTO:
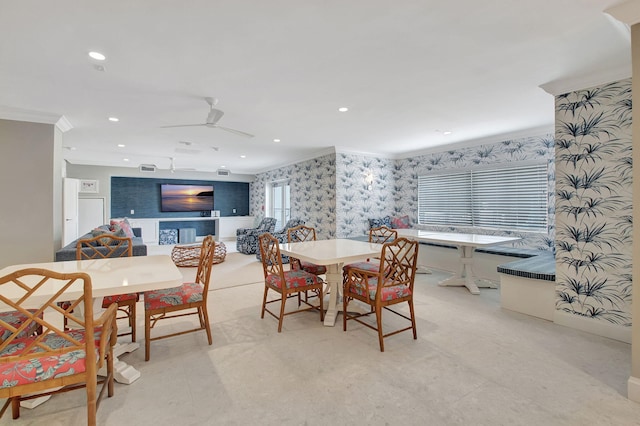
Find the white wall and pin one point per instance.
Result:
(31, 192)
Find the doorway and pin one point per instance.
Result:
(279, 202)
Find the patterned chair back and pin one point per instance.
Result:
(268, 224)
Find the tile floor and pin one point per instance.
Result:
(472, 364)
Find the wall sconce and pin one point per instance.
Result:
(368, 180)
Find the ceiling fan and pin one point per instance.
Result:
(212, 120)
(173, 169)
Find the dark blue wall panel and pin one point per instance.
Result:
(143, 196)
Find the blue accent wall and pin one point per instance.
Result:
(143, 196)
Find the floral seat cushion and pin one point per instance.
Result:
(293, 279)
(37, 369)
(182, 295)
(388, 293)
(312, 268)
(14, 319)
(108, 300)
(367, 266)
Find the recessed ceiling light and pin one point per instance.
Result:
(114, 119)
(343, 109)
(125, 159)
(447, 132)
(243, 156)
(223, 167)
(121, 145)
(276, 140)
(97, 56)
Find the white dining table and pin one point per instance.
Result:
(109, 277)
(466, 244)
(333, 254)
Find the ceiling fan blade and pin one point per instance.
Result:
(237, 132)
(183, 125)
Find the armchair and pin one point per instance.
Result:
(247, 238)
(282, 236)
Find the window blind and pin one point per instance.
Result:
(510, 197)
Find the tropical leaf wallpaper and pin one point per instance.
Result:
(356, 203)
(313, 193)
(594, 203)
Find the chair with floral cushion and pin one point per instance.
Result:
(281, 236)
(391, 284)
(247, 238)
(115, 247)
(11, 320)
(298, 234)
(286, 283)
(53, 360)
(188, 299)
(379, 235)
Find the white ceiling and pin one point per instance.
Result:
(408, 70)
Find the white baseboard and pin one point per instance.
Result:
(633, 389)
(590, 325)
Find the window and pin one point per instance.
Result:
(509, 197)
(279, 202)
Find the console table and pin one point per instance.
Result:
(225, 227)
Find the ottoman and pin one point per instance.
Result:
(189, 254)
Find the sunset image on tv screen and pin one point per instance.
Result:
(186, 198)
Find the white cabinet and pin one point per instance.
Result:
(229, 224)
(149, 229)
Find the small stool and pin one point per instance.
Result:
(189, 255)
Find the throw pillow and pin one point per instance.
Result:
(376, 223)
(402, 222)
(99, 231)
(124, 225)
(107, 240)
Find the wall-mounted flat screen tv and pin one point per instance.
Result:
(186, 198)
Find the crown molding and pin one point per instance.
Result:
(627, 12)
(19, 114)
(532, 132)
(310, 156)
(340, 150)
(562, 86)
(64, 124)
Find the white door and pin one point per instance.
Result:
(91, 213)
(70, 190)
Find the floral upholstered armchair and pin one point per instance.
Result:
(247, 238)
(281, 235)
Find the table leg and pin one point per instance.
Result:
(334, 278)
(465, 276)
(123, 372)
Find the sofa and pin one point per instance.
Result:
(68, 252)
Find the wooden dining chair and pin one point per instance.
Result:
(302, 233)
(54, 360)
(379, 235)
(187, 299)
(286, 283)
(391, 284)
(108, 246)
